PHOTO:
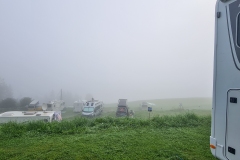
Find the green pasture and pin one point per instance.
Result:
(179, 137)
(199, 106)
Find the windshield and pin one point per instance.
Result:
(88, 109)
(122, 109)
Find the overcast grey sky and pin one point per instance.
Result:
(135, 49)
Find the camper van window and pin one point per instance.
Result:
(238, 30)
(92, 104)
(86, 104)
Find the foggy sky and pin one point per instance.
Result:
(134, 49)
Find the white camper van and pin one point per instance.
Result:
(56, 105)
(92, 108)
(26, 116)
(78, 105)
(145, 105)
(34, 106)
(225, 126)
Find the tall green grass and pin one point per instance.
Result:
(83, 125)
(184, 136)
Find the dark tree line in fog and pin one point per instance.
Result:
(12, 103)
(8, 101)
(5, 90)
(6, 97)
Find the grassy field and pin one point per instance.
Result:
(199, 106)
(171, 133)
(184, 136)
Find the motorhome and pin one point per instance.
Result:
(27, 116)
(78, 105)
(145, 105)
(225, 127)
(55, 105)
(122, 108)
(34, 106)
(92, 108)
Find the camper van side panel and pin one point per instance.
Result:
(226, 77)
(24, 119)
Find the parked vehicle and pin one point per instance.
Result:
(225, 127)
(78, 105)
(145, 105)
(34, 106)
(55, 105)
(122, 108)
(27, 116)
(92, 108)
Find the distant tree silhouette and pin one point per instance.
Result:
(25, 101)
(8, 103)
(5, 90)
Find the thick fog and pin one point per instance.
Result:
(110, 49)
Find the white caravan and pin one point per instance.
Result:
(78, 105)
(26, 116)
(145, 105)
(56, 105)
(92, 108)
(225, 126)
(34, 106)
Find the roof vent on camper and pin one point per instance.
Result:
(7, 114)
(30, 113)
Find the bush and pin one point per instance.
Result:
(13, 129)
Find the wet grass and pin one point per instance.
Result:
(184, 136)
